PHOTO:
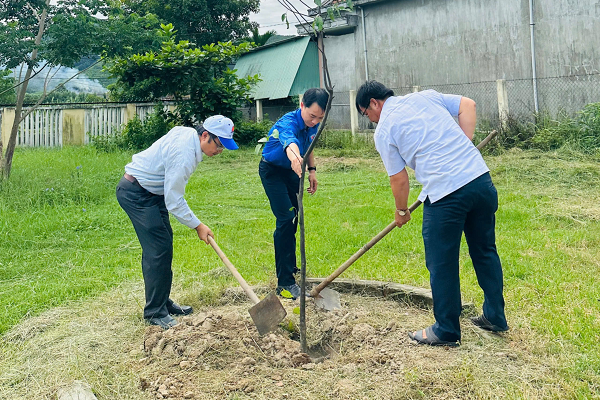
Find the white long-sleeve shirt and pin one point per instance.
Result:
(165, 168)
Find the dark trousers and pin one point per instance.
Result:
(470, 209)
(150, 219)
(281, 186)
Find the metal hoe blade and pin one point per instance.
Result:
(328, 299)
(267, 314)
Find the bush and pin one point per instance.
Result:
(553, 133)
(588, 137)
(335, 139)
(547, 133)
(249, 132)
(517, 132)
(137, 134)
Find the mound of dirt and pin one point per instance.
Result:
(357, 352)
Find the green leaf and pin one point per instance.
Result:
(318, 2)
(296, 310)
(330, 14)
(263, 140)
(275, 134)
(318, 23)
(283, 17)
(257, 148)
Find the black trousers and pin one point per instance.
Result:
(150, 218)
(470, 209)
(281, 186)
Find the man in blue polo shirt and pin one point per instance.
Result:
(418, 130)
(280, 170)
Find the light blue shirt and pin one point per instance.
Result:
(418, 130)
(165, 168)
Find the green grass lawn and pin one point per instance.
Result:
(63, 237)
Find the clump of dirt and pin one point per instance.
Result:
(359, 351)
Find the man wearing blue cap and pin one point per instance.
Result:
(152, 187)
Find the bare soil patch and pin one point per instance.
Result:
(362, 351)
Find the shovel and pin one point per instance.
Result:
(266, 313)
(329, 299)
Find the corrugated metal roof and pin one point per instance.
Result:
(278, 38)
(286, 69)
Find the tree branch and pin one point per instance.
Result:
(291, 9)
(25, 80)
(41, 100)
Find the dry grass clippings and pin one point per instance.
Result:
(361, 351)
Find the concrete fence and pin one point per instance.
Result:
(58, 125)
(492, 102)
(497, 100)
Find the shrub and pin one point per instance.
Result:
(335, 139)
(553, 133)
(137, 134)
(249, 132)
(588, 137)
(517, 132)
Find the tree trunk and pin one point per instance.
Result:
(12, 141)
(329, 88)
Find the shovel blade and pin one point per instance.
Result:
(267, 314)
(328, 300)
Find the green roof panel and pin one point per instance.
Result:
(286, 68)
(308, 73)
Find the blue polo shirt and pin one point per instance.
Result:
(419, 130)
(291, 129)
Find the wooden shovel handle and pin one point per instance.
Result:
(315, 292)
(234, 271)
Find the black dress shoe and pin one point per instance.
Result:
(164, 322)
(483, 323)
(176, 309)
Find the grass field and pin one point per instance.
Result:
(64, 238)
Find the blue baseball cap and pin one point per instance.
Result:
(222, 127)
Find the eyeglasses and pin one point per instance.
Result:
(364, 112)
(215, 139)
(219, 144)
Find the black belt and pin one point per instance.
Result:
(271, 164)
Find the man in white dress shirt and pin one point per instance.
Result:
(153, 186)
(419, 131)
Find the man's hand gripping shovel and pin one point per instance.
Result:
(266, 313)
(329, 299)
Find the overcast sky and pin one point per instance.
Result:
(269, 16)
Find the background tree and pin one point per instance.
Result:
(63, 95)
(202, 21)
(41, 33)
(197, 78)
(7, 92)
(257, 38)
